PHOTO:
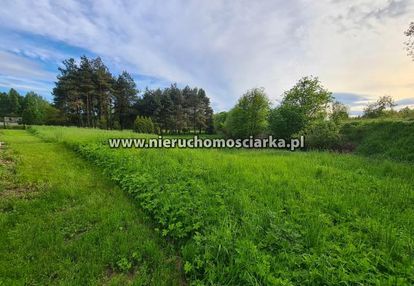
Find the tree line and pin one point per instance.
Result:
(88, 95)
(306, 109)
(32, 108)
(304, 104)
(177, 110)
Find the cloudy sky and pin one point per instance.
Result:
(354, 46)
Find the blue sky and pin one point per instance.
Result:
(354, 46)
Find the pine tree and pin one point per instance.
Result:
(125, 97)
(104, 82)
(67, 94)
(167, 111)
(87, 89)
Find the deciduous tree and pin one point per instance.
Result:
(249, 116)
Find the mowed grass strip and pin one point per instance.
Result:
(63, 223)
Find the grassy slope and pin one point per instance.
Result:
(61, 222)
(392, 139)
(270, 218)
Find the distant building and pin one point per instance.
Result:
(11, 120)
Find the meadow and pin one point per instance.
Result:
(63, 223)
(244, 217)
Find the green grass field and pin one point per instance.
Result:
(382, 138)
(63, 223)
(235, 217)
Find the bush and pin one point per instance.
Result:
(339, 112)
(285, 121)
(385, 138)
(103, 123)
(116, 125)
(322, 135)
(218, 120)
(144, 124)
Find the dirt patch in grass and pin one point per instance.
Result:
(5, 161)
(180, 269)
(22, 192)
(139, 271)
(114, 277)
(9, 187)
(5, 157)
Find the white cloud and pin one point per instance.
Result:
(24, 74)
(26, 84)
(227, 47)
(13, 65)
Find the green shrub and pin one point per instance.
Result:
(385, 138)
(144, 124)
(218, 120)
(102, 123)
(285, 121)
(322, 135)
(116, 125)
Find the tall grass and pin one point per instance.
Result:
(265, 217)
(393, 139)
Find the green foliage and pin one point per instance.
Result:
(4, 104)
(177, 110)
(53, 116)
(219, 122)
(144, 124)
(249, 116)
(339, 112)
(235, 124)
(304, 104)
(379, 108)
(310, 97)
(125, 96)
(14, 102)
(124, 265)
(32, 108)
(35, 109)
(286, 120)
(383, 138)
(103, 124)
(322, 135)
(88, 95)
(116, 125)
(406, 113)
(268, 218)
(10, 103)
